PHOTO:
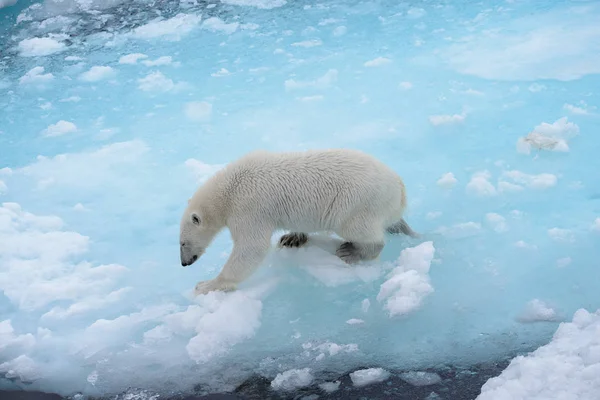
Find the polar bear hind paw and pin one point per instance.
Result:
(294, 239)
(213, 285)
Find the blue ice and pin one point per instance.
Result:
(112, 112)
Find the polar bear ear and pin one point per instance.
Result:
(195, 219)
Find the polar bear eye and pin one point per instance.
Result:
(195, 219)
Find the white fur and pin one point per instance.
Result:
(343, 191)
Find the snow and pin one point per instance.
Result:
(60, 128)
(113, 112)
(364, 377)
(565, 368)
(36, 47)
(446, 119)
(98, 73)
(198, 110)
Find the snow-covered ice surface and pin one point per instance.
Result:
(112, 112)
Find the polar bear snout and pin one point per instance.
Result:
(188, 256)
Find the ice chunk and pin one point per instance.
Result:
(567, 367)
(60, 128)
(98, 73)
(364, 377)
(377, 62)
(330, 387)
(172, 29)
(447, 181)
(40, 46)
(132, 58)
(408, 284)
(292, 379)
(536, 310)
(447, 119)
(421, 378)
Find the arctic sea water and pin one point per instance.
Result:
(112, 112)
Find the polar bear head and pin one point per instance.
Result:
(196, 232)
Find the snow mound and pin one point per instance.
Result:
(566, 368)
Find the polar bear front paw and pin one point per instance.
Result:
(213, 285)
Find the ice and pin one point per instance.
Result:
(421, 378)
(112, 112)
(364, 377)
(566, 368)
(292, 379)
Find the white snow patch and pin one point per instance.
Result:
(415, 12)
(215, 24)
(561, 235)
(221, 72)
(3, 187)
(547, 136)
(497, 221)
(60, 128)
(340, 31)
(355, 321)
(535, 311)
(364, 377)
(261, 4)
(308, 43)
(320, 83)
(536, 87)
(377, 62)
(7, 3)
(98, 73)
(563, 262)
(539, 181)
(72, 99)
(163, 60)
(35, 76)
(596, 225)
(437, 120)
(480, 186)
(447, 181)
(292, 379)
(308, 99)
(37, 47)
(421, 378)
(132, 58)
(22, 368)
(36, 254)
(461, 230)
(405, 85)
(172, 29)
(157, 82)
(365, 305)
(330, 387)
(581, 109)
(567, 367)
(200, 170)
(89, 170)
(198, 110)
(408, 284)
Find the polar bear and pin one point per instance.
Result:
(341, 191)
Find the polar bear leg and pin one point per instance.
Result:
(249, 250)
(293, 239)
(401, 227)
(364, 240)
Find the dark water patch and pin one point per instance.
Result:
(456, 384)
